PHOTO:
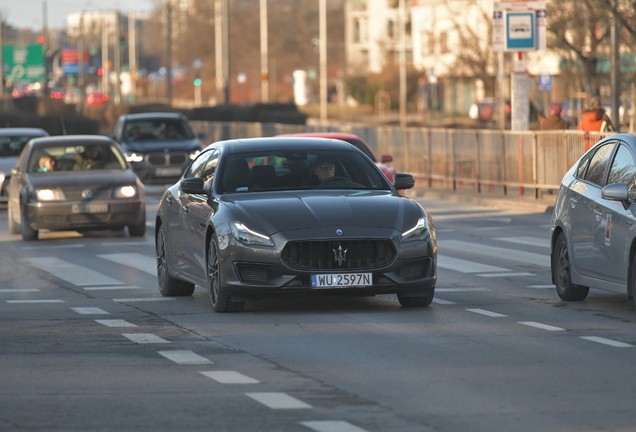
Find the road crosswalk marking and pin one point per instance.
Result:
(230, 377)
(530, 241)
(115, 323)
(332, 426)
(36, 301)
(72, 273)
(142, 299)
(19, 290)
(108, 288)
(278, 401)
(486, 312)
(609, 342)
(144, 338)
(496, 252)
(465, 266)
(185, 357)
(491, 275)
(136, 260)
(541, 326)
(90, 311)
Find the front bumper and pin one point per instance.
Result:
(255, 271)
(58, 216)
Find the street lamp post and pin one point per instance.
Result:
(323, 59)
(264, 54)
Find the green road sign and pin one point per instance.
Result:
(23, 63)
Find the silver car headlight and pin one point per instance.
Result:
(49, 195)
(246, 236)
(133, 157)
(125, 192)
(418, 232)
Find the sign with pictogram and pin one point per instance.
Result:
(23, 63)
(519, 26)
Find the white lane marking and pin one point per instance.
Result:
(465, 266)
(230, 377)
(332, 426)
(115, 287)
(530, 241)
(72, 273)
(497, 252)
(142, 299)
(460, 289)
(486, 275)
(15, 290)
(90, 311)
(53, 247)
(115, 323)
(135, 260)
(144, 338)
(483, 216)
(443, 302)
(36, 301)
(609, 342)
(185, 357)
(278, 400)
(541, 326)
(487, 313)
(128, 243)
(541, 286)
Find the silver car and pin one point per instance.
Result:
(593, 226)
(12, 141)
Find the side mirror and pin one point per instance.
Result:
(386, 158)
(193, 186)
(403, 181)
(616, 192)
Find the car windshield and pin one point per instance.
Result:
(65, 158)
(11, 146)
(270, 170)
(157, 130)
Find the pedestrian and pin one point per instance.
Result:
(594, 120)
(554, 122)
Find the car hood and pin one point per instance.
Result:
(7, 163)
(273, 212)
(90, 179)
(160, 146)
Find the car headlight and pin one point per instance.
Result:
(49, 195)
(417, 232)
(133, 157)
(125, 192)
(194, 154)
(249, 237)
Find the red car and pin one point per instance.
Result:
(96, 98)
(356, 141)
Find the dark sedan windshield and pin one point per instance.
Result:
(75, 158)
(11, 146)
(157, 130)
(269, 170)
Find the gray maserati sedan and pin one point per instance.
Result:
(292, 216)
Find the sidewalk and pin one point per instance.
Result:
(512, 201)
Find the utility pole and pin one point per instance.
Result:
(226, 49)
(5, 102)
(615, 82)
(168, 52)
(105, 68)
(132, 51)
(117, 58)
(264, 54)
(218, 48)
(44, 47)
(80, 64)
(402, 63)
(323, 59)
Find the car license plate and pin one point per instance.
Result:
(168, 172)
(89, 208)
(341, 280)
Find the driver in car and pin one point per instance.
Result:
(90, 158)
(324, 168)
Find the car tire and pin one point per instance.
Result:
(220, 300)
(137, 230)
(168, 286)
(563, 273)
(418, 301)
(14, 227)
(28, 233)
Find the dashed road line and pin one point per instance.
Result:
(541, 326)
(136, 260)
(90, 311)
(447, 290)
(36, 301)
(332, 426)
(185, 357)
(443, 302)
(144, 338)
(111, 287)
(605, 341)
(526, 241)
(53, 247)
(487, 313)
(115, 323)
(72, 273)
(18, 290)
(540, 286)
(490, 275)
(142, 299)
(278, 400)
(230, 377)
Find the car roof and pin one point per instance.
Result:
(35, 132)
(154, 116)
(334, 135)
(285, 143)
(71, 140)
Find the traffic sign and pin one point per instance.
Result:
(545, 82)
(23, 63)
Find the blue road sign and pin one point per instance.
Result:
(545, 82)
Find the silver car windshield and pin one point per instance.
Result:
(299, 170)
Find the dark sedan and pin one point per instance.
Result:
(269, 216)
(74, 183)
(12, 141)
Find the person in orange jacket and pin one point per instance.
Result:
(594, 120)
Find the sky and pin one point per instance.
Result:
(29, 13)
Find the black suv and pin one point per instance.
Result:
(159, 146)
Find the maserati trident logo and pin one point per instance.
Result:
(87, 194)
(340, 255)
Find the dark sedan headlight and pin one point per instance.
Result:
(246, 236)
(125, 192)
(133, 157)
(418, 232)
(49, 195)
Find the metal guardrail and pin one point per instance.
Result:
(484, 160)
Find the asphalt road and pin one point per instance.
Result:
(88, 344)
